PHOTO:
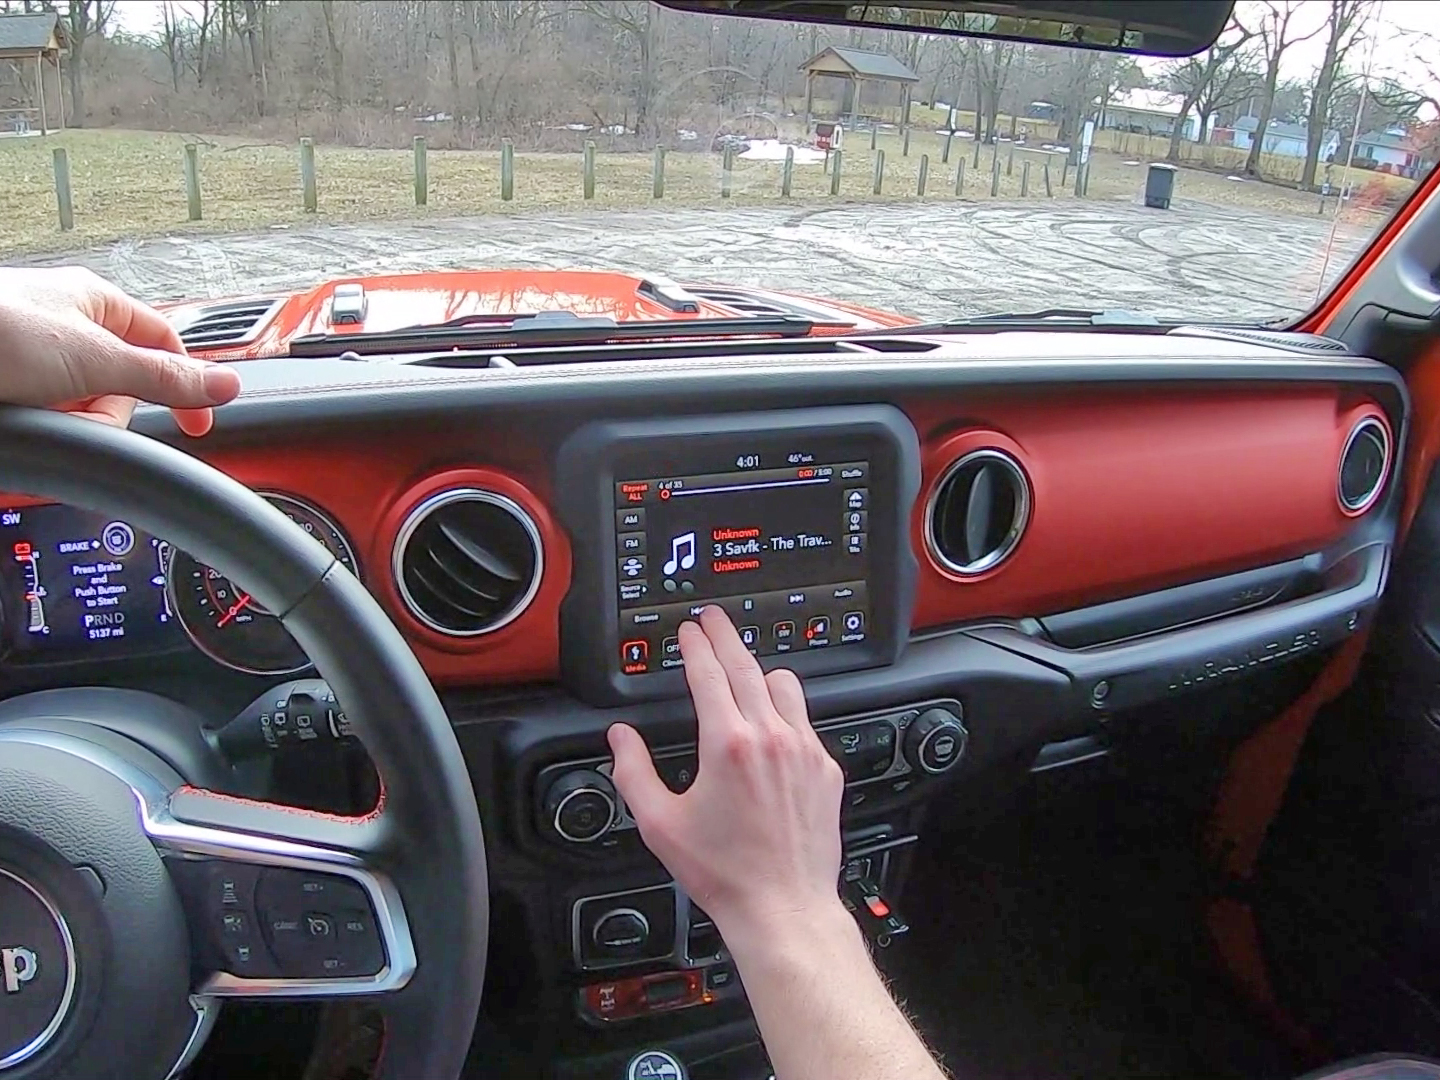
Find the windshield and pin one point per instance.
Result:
(203, 149)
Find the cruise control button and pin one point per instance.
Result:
(319, 926)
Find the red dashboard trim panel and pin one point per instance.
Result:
(1133, 490)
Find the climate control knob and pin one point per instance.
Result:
(580, 806)
(935, 741)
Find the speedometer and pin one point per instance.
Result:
(226, 623)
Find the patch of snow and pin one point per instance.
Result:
(1132, 163)
(686, 135)
(774, 150)
(615, 129)
(1237, 179)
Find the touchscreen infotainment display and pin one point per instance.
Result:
(77, 585)
(781, 545)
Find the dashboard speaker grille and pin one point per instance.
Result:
(977, 512)
(1364, 464)
(468, 562)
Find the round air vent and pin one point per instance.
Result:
(468, 561)
(1364, 464)
(977, 512)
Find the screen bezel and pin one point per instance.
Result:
(598, 455)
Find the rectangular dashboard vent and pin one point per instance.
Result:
(235, 323)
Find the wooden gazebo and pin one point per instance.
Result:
(33, 42)
(857, 67)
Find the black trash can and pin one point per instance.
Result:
(1159, 186)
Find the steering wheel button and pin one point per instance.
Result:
(320, 926)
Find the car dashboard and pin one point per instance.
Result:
(976, 550)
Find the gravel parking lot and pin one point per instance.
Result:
(934, 261)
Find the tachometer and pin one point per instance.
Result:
(228, 625)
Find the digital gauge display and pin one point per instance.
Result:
(226, 623)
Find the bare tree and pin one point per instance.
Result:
(633, 21)
(84, 19)
(1342, 27)
(171, 41)
(1195, 76)
(1277, 34)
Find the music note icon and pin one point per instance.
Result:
(682, 554)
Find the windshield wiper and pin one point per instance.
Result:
(1056, 318)
(545, 328)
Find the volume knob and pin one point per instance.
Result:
(580, 806)
(935, 741)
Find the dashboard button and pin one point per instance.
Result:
(632, 567)
(670, 646)
(783, 631)
(632, 592)
(857, 498)
(817, 631)
(750, 636)
(629, 519)
(853, 622)
(635, 656)
(855, 521)
(855, 543)
(631, 543)
(677, 772)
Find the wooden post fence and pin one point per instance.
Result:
(835, 173)
(1048, 193)
(1010, 161)
(874, 130)
(905, 144)
(945, 153)
(960, 177)
(192, 180)
(422, 172)
(657, 180)
(788, 172)
(995, 174)
(879, 171)
(587, 178)
(727, 170)
(308, 197)
(63, 201)
(1025, 180)
(507, 170)
(924, 170)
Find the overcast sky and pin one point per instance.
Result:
(1392, 26)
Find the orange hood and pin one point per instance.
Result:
(263, 325)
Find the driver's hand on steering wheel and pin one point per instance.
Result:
(755, 840)
(73, 341)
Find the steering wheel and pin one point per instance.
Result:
(130, 893)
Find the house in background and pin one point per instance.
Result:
(1149, 112)
(1391, 150)
(1282, 139)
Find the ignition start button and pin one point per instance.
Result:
(37, 970)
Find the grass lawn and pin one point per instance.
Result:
(130, 184)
